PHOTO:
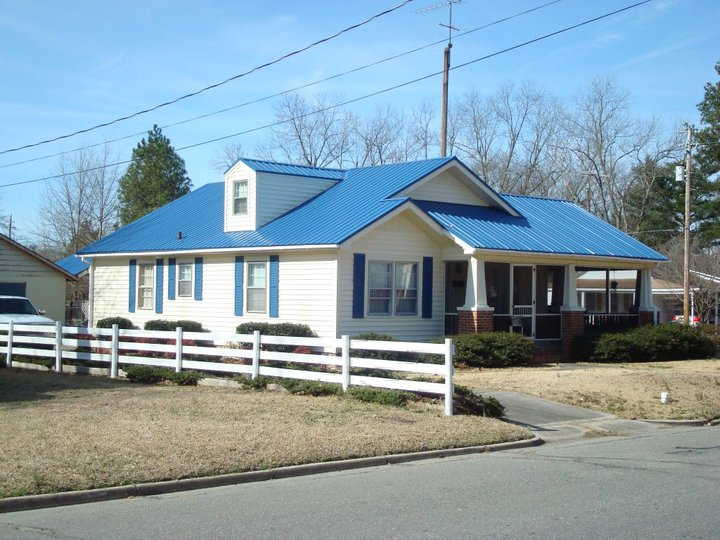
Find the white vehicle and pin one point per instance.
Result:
(19, 310)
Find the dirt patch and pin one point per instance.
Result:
(626, 390)
(66, 432)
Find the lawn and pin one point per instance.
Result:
(70, 432)
(629, 390)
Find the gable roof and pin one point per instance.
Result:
(360, 198)
(36, 256)
(544, 226)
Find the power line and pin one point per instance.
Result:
(350, 101)
(212, 86)
(288, 91)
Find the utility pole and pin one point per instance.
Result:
(686, 261)
(446, 71)
(10, 228)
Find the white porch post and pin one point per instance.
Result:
(646, 302)
(570, 296)
(475, 292)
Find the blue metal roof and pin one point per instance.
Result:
(293, 170)
(360, 198)
(545, 226)
(73, 265)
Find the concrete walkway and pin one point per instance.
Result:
(555, 422)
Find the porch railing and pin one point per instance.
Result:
(611, 321)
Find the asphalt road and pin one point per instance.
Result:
(662, 484)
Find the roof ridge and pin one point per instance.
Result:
(540, 197)
(266, 161)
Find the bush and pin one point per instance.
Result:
(467, 402)
(147, 374)
(647, 344)
(493, 349)
(159, 325)
(276, 329)
(310, 388)
(185, 378)
(122, 322)
(396, 398)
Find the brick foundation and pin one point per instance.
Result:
(475, 321)
(573, 324)
(645, 318)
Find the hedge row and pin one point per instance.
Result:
(645, 344)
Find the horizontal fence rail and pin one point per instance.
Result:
(344, 361)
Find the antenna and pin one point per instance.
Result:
(446, 67)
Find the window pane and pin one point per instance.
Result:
(240, 194)
(256, 300)
(380, 275)
(256, 275)
(379, 306)
(185, 273)
(405, 288)
(240, 189)
(380, 287)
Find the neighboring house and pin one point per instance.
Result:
(414, 250)
(77, 307)
(23, 272)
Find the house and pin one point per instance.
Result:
(23, 272)
(414, 250)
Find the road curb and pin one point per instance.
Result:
(35, 502)
(690, 422)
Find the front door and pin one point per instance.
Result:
(523, 299)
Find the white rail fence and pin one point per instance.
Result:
(212, 352)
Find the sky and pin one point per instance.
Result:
(69, 65)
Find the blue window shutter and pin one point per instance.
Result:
(358, 295)
(427, 292)
(239, 278)
(198, 277)
(159, 285)
(132, 287)
(274, 285)
(171, 279)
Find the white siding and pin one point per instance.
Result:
(278, 194)
(44, 286)
(306, 292)
(240, 223)
(447, 187)
(400, 239)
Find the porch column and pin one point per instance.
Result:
(475, 317)
(646, 308)
(572, 313)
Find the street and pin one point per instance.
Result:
(663, 484)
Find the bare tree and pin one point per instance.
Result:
(227, 156)
(508, 137)
(81, 205)
(311, 132)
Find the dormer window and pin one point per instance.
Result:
(240, 197)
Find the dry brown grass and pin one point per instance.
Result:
(64, 432)
(626, 390)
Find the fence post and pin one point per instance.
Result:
(449, 390)
(8, 356)
(58, 346)
(345, 362)
(178, 349)
(256, 354)
(114, 351)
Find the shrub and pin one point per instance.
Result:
(185, 378)
(467, 402)
(310, 388)
(493, 349)
(122, 322)
(277, 329)
(381, 355)
(646, 344)
(147, 374)
(258, 383)
(159, 325)
(396, 398)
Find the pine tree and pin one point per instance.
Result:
(155, 177)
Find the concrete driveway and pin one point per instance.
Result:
(554, 421)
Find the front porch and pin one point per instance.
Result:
(540, 301)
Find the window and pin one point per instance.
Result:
(392, 288)
(240, 198)
(185, 279)
(145, 286)
(257, 287)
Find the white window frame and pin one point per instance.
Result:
(142, 286)
(393, 290)
(249, 287)
(236, 199)
(189, 293)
